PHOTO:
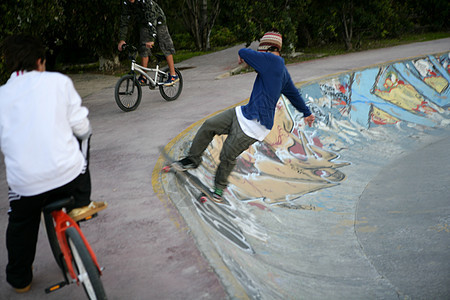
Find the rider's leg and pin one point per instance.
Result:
(236, 143)
(83, 188)
(144, 61)
(171, 64)
(81, 192)
(216, 125)
(21, 238)
(166, 45)
(144, 52)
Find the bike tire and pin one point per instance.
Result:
(53, 240)
(86, 270)
(128, 93)
(170, 93)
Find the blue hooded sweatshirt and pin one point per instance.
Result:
(272, 80)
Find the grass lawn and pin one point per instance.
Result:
(309, 53)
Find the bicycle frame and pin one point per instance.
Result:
(128, 89)
(135, 67)
(62, 222)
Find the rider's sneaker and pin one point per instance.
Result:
(171, 80)
(78, 214)
(23, 290)
(184, 164)
(142, 80)
(217, 195)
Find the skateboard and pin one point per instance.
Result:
(205, 192)
(215, 214)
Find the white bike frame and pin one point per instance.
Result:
(135, 67)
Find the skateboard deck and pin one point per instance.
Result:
(205, 192)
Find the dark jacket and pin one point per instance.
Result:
(272, 80)
(146, 13)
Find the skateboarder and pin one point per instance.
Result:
(247, 124)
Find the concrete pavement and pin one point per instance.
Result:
(155, 245)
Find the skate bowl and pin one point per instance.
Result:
(331, 211)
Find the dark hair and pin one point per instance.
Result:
(273, 49)
(21, 52)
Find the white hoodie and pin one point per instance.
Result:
(39, 114)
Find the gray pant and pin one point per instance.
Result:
(164, 40)
(236, 143)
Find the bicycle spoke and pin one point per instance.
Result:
(128, 93)
(87, 273)
(83, 275)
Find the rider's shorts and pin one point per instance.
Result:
(164, 40)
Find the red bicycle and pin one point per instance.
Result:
(72, 251)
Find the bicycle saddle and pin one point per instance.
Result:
(58, 204)
(159, 57)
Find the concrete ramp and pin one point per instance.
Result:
(291, 226)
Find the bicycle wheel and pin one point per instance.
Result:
(86, 270)
(53, 240)
(128, 93)
(170, 93)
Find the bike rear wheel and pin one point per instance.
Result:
(87, 272)
(170, 93)
(128, 93)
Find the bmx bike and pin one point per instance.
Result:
(71, 250)
(128, 90)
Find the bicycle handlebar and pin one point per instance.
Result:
(125, 46)
(132, 48)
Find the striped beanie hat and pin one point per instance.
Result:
(270, 39)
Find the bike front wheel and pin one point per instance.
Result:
(128, 93)
(53, 240)
(170, 93)
(86, 270)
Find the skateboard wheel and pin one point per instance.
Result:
(166, 169)
(203, 199)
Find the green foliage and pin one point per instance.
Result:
(222, 37)
(92, 25)
(39, 17)
(83, 30)
(249, 19)
(70, 29)
(183, 41)
(429, 14)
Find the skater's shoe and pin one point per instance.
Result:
(184, 164)
(171, 80)
(217, 195)
(23, 290)
(142, 80)
(78, 214)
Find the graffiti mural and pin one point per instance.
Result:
(413, 91)
(295, 160)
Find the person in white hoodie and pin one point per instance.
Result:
(44, 137)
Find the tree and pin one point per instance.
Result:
(251, 19)
(94, 29)
(35, 17)
(347, 23)
(350, 21)
(199, 17)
